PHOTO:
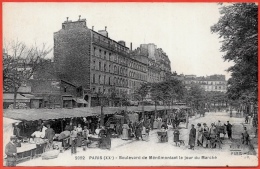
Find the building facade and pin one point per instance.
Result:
(99, 64)
(208, 83)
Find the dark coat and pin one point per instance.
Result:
(10, 149)
(192, 137)
(176, 135)
(49, 134)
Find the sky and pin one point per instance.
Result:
(182, 30)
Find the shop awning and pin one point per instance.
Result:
(46, 114)
(78, 100)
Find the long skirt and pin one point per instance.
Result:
(125, 135)
(206, 141)
(79, 141)
(138, 133)
(155, 124)
(199, 138)
(192, 140)
(176, 138)
(159, 124)
(74, 146)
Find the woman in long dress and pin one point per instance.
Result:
(159, 119)
(79, 135)
(176, 136)
(192, 137)
(125, 135)
(200, 135)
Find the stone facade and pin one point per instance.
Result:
(100, 64)
(208, 83)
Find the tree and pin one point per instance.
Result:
(195, 96)
(141, 93)
(238, 29)
(156, 95)
(20, 63)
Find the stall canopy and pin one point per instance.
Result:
(8, 129)
(46, 114)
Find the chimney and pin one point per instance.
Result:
(105, 28)
(92, 28)
(67, 19)
(131, 46)
(79, 17)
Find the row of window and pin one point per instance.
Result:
(204, 82)
(106, 67)
(107, 90)
(108, 41)
(137, 75)
(108, 80)
(216, 87)
(137, 66)
(134, 84)
(109, 56)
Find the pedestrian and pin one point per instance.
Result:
(246, 136)
(11, 152)
(213, 130)
(37, 135)
(73, 140)
(229, 129)
(138, 130)
(85, 134)
(79, 135)
(143, 133)
(151, 122)
(199, 135)
(176, 136)
(159, 119)
(246, 119)
(16, 131)
(192, 137)
(219, 124)
(206, 138)
(49, 134)
(125, 134)
(69, 127)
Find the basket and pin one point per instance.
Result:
(50, 154)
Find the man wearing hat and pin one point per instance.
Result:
(229, 129)
(11, 152)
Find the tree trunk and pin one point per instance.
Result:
(15, 96)
(143, 108)
(155, 109)
(101, 116)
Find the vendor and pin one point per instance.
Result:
(38, 135)
(11, 152)
(85, 134)
(16, 131)
(79, 135)
(73, 140)
(49, 134)
(69, 127)
(97, 130)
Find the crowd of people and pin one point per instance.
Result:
(209, 137)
